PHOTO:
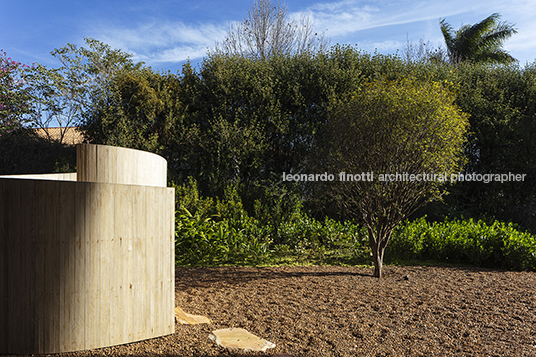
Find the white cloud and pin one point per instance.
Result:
(343, 20)
(387, 46)
(158, 42)
(345, 17)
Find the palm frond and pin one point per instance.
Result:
(480, 42)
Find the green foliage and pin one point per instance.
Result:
(490, 244)
(23, 152)
(236, 124)
(63, 95)
(217, 232)
(308, 235)
(478, 43)
(405, 127)
(502, 103)
(249, 121)
(138, 111)
(15, 95)
(201, 241)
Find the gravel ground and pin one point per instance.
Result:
(344, 311)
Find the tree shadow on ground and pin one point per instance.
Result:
(200, 277)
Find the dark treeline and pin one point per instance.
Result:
(245, 122)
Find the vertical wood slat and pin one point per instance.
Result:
(50, 270)
(40, 212)
(14, 324)
(91, 291)
(139, 271)
(109, 164)
(3, 267)
(78, 243)
(81, 276)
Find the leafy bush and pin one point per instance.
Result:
(202, 241)
(220, 231)
(216, 231)
(496, 244)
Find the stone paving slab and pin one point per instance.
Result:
(187, 319)
(240, 338)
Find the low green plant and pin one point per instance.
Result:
(220, 231)
(490, 244)
(205, 241)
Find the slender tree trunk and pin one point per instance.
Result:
(378, 249)
(378, 242)
(377, 253)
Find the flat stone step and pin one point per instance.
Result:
(240, 338)
(187, 319)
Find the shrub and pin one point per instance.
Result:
(495, 244)
(220, 231)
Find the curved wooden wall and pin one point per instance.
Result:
(87, 264)
(131, 167)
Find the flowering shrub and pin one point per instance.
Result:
(15, 97)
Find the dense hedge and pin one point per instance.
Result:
(237, 120)
(23, 152)
(489, 244)
(217, 232)
(235, 125)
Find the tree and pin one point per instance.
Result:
(61, 95)
(481, 42)
(137, 110)
(423, 52)
(268, 30)
(502, 103)
(391, 137)
(15, 98)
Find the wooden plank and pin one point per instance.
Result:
(15, 330)
(62, 265)
(171, 261)
(92, 316)
(44, 276)
(40, 212)
(53, 261)
(105, 236)
(139, 273)
(68, 233)
(150, 278)
(27, 273)
(81, 271)
(158, 238)
(122, 214)
(93, 264)
(86, 162)
(3, 269)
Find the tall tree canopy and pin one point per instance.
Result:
(481, 42)
(269, 30)
(391, 146)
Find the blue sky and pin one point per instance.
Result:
(166, 33)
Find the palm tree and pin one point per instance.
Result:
(481, 42)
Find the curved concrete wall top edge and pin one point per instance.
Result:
(111, 164)
(55, 177)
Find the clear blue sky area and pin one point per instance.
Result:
(166, 33)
